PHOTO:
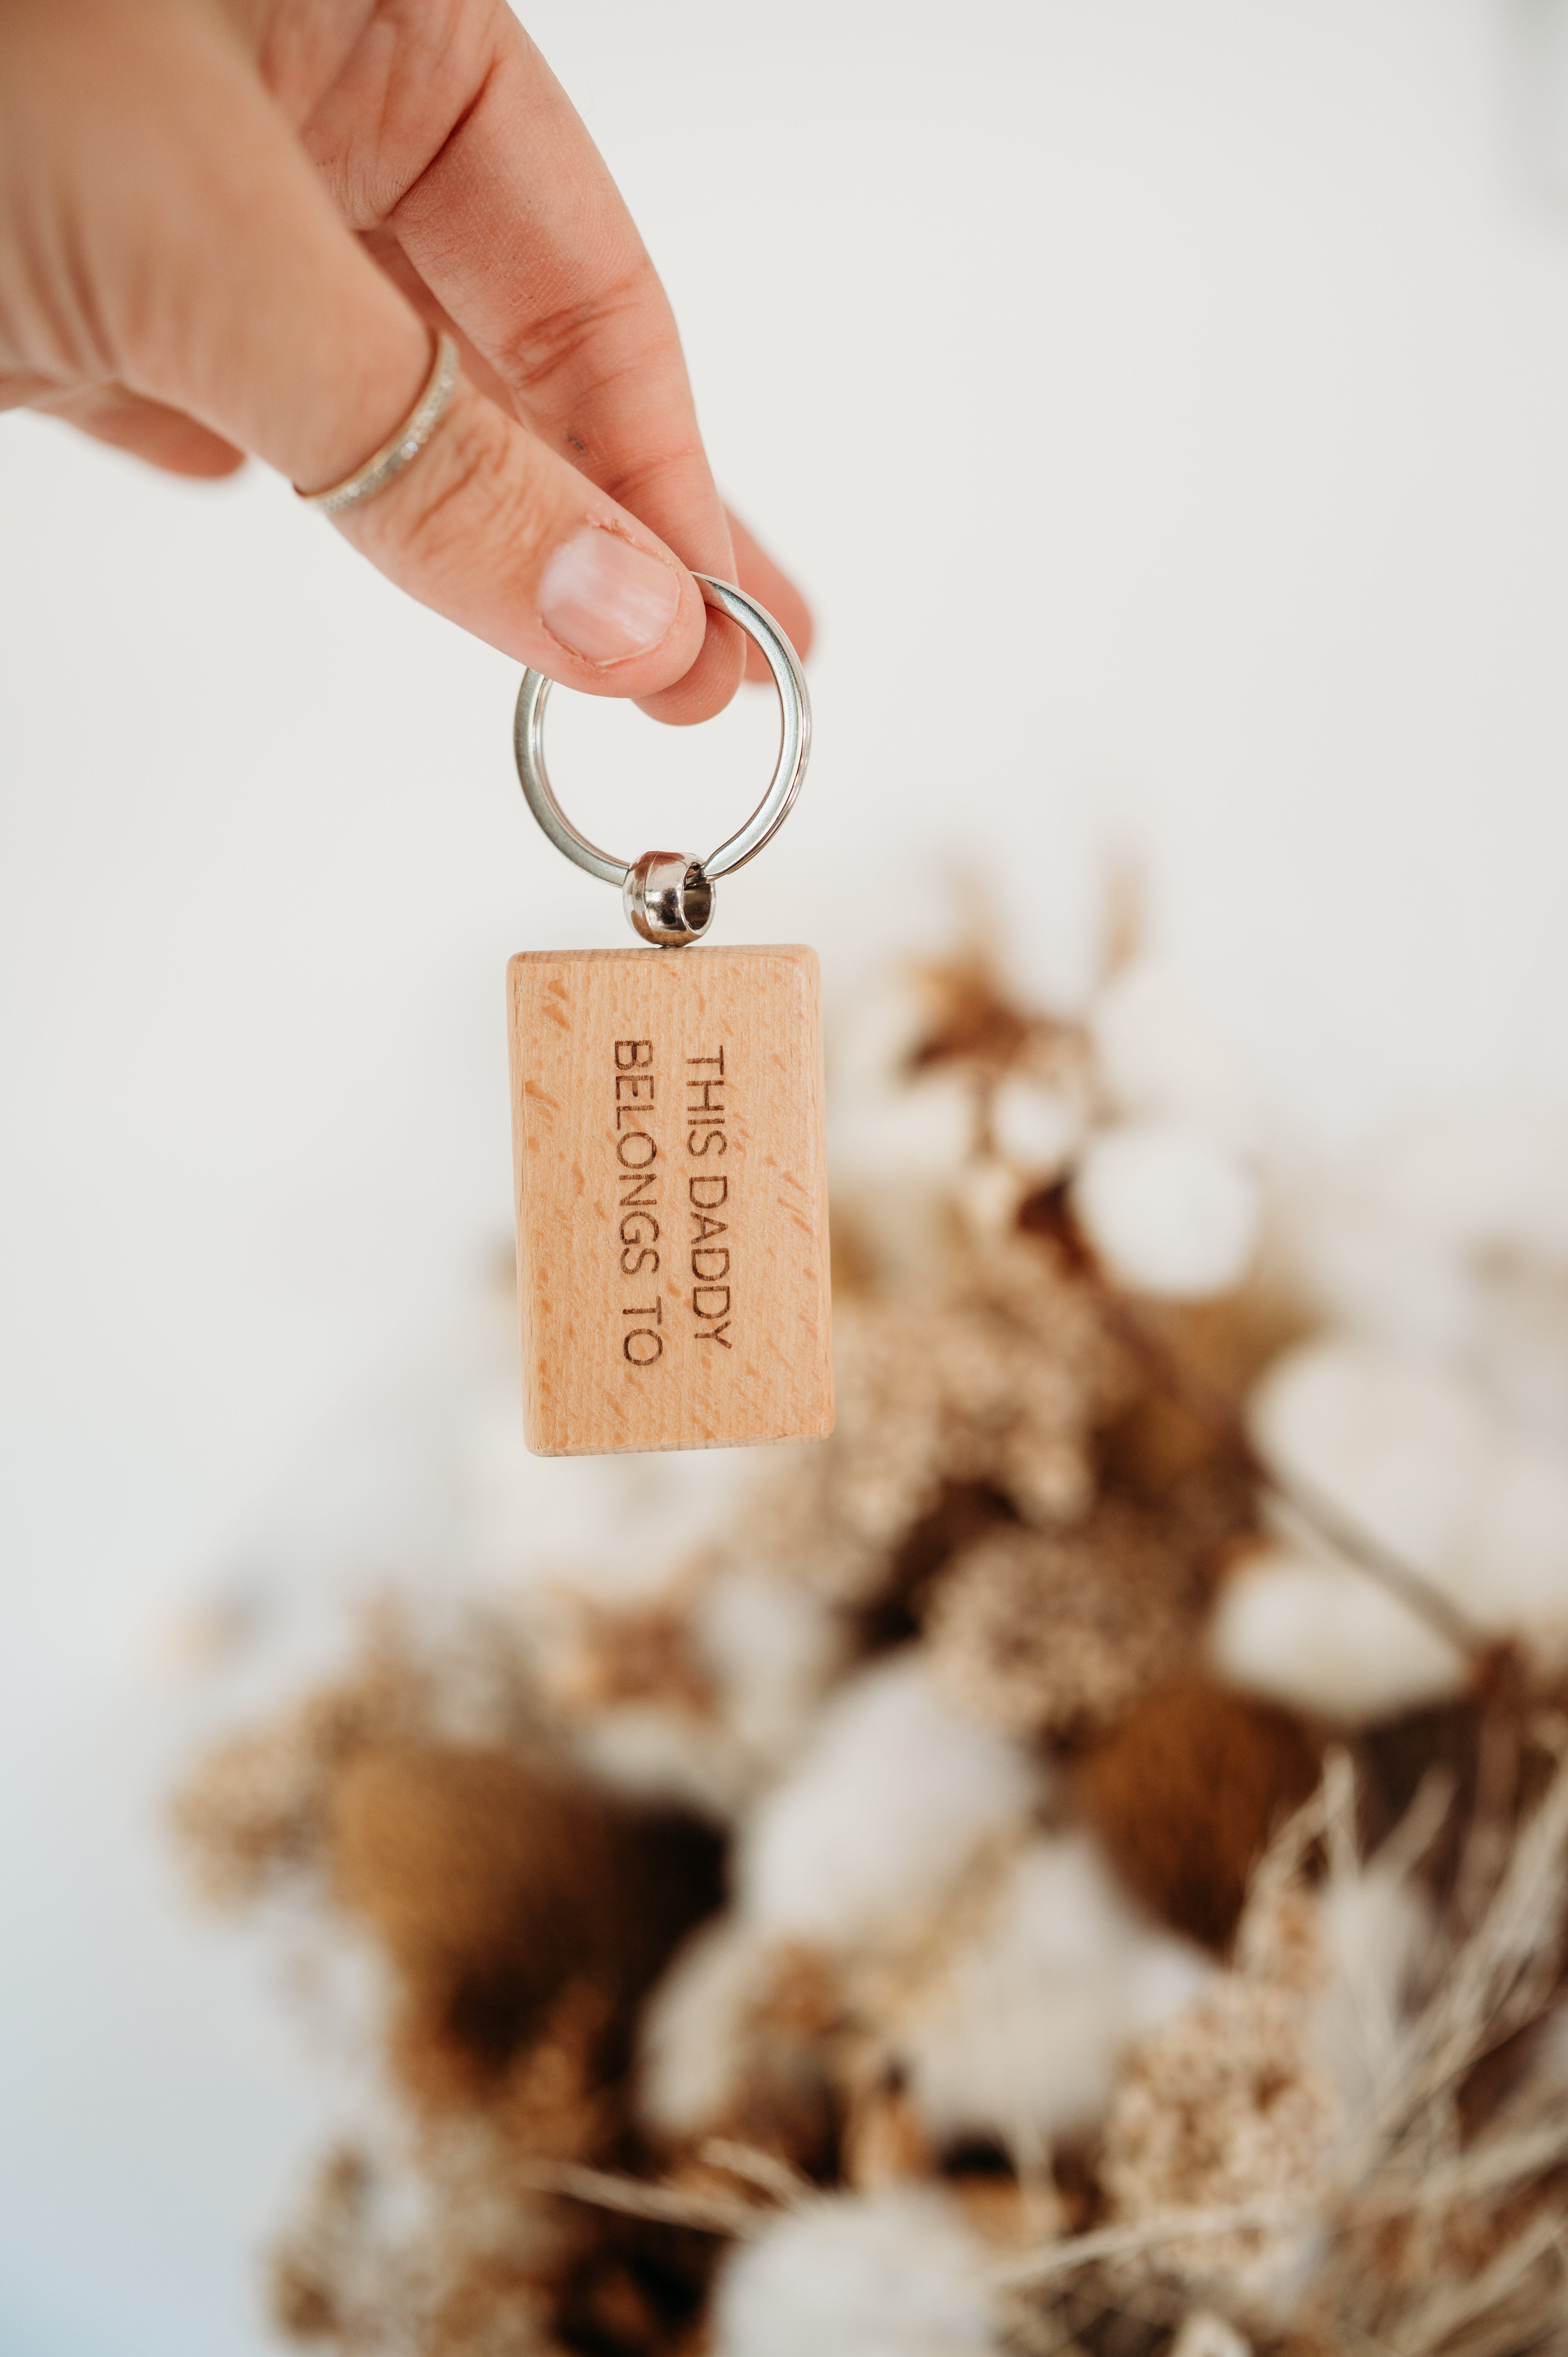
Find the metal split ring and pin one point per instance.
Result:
(668, 895)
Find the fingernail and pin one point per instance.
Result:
(606, 599)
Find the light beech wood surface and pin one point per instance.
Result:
(672, 1197)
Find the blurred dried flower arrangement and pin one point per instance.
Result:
(1075, 1865)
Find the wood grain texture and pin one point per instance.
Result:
(672, 1197)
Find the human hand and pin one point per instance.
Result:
(228, 226)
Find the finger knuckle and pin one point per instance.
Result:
(554, 344)
(463, 492)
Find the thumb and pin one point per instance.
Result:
(232, 290)
(500, 534)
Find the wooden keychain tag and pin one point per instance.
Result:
(668, 1143)
(672, 1197)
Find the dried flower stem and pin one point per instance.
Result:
(786, 2185)
(1368, 1554)
(670, 2204)
(1487, 2169)
(1071, 2252)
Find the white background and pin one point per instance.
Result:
(1165, 404)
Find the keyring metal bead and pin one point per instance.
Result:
(668, 895)
(668, 898)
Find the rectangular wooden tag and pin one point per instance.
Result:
(672, 1197)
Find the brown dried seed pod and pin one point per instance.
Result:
(1186, 1794)
(970, 1017)
(257, 1808)
(492, 1885)
(1058, 1633)
(1001, 1377)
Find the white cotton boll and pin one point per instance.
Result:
(1157, 1057)
(890, 1802)
(696, 2026)
(1323, 1638)
(1036, 1129)
(1204, 2334)
(1028, 2019)
(924, 1129)
(772, 1648)
(1170, 1211)
(895, 2273)
(1451, 1241)
(879, 1122)
(1396, 1443)
(873, 1027)
(664, 1757)
(1419, 1460)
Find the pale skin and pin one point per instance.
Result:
(228, 228)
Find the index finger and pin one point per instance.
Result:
(447, 128)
